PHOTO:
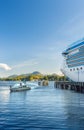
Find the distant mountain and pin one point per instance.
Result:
(25, 74)
(12, 76)
(33, 73)
(36, 73)
(54, 74)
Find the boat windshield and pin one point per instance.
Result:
(18, 85)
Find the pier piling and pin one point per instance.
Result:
(76, 86)
(43, 83)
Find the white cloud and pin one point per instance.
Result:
(5, 66)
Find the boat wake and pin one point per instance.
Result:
(33, 85)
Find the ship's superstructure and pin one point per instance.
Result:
(74, 61)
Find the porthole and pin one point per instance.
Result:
(70, 69)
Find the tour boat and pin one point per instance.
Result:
(19, 87)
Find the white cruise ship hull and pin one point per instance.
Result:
(77, 75)
(73, 66)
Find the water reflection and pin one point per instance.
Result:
(45, 108)
(18, 96)
(73, 105)
(4, 95)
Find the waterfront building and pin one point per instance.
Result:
(73, 66)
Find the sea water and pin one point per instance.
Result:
(42, 108)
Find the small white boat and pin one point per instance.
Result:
(19, 87)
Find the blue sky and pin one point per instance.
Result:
(33, 34)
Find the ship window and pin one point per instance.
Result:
(70, 69)
(74, 69)
(77, 68)
(81, 68)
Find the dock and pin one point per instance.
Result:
(43, 83)
(68, 85)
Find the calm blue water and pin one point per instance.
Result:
(45, 108)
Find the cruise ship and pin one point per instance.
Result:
(73, 66)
